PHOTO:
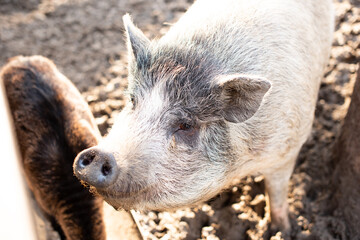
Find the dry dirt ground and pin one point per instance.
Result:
(85, 40)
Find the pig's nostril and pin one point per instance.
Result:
(86, 162)
(87, 159)
(106, 169)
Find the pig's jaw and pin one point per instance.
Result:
(153, 198)
(152, 204)
(144, 200)
(126, 200)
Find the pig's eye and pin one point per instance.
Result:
(133, 100)
(184, 126)
(186, 133)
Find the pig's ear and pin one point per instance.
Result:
(137, 42)
(241, 96)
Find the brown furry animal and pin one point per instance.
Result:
(346, 177)
(53, 124)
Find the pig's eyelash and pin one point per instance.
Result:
(132, 98)
(184, 126)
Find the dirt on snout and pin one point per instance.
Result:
(85, 40)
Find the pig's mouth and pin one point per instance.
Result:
(127, 199)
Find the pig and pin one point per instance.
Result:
(53, 124)
(344, 201)
(229, 91)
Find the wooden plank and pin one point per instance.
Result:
(16, 217)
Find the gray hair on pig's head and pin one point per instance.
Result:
(240, 96)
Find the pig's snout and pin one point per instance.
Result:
(95, 167)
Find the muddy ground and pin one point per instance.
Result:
(85, 40)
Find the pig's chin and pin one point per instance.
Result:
(145, 201)
(127, 200)
(136, 202)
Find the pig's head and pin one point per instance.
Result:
(170, 145)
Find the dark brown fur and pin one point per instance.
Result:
(346, 177)
(53, 124)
